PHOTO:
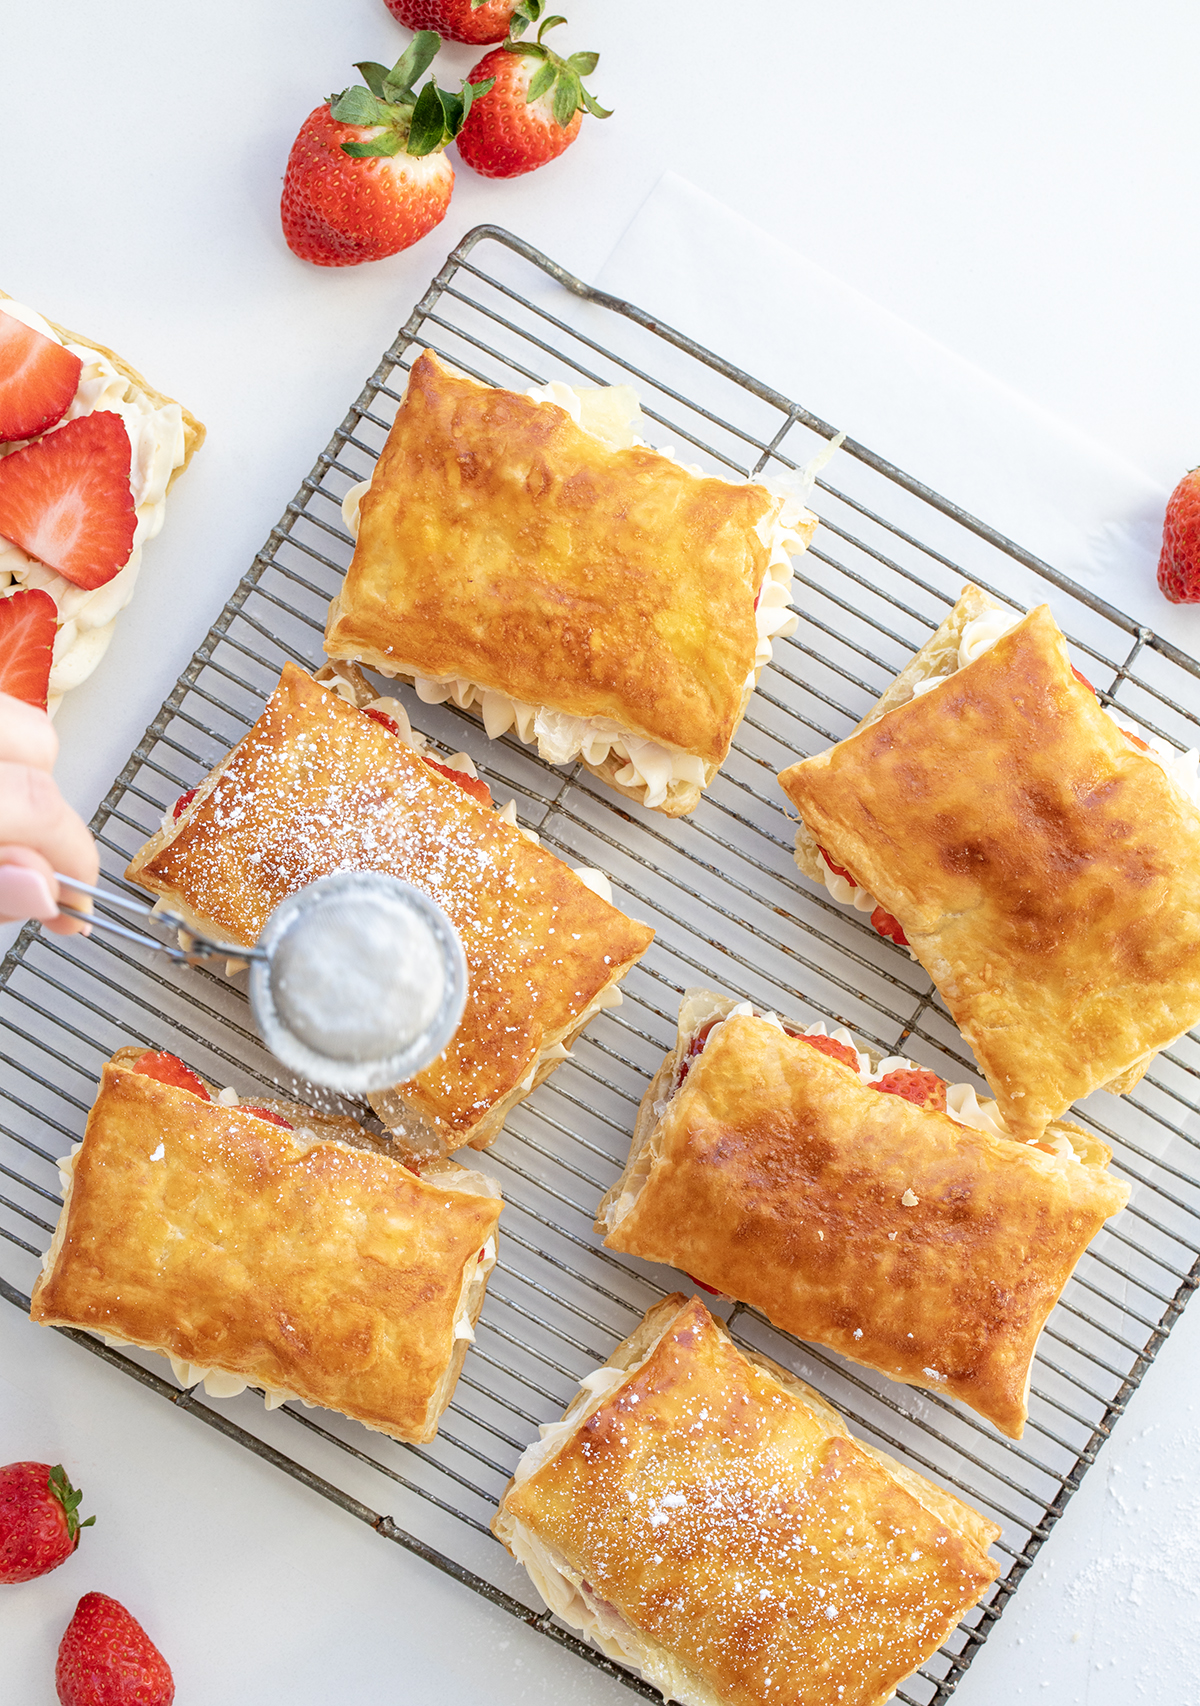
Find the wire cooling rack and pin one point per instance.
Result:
(730, 910)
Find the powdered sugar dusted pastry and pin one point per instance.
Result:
(254, 1252)
(319, 786)
(1040, 861)
(609, 603)
(838, 1193)
(163, 437)
(706, 1518)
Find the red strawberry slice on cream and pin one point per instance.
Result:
(66, 499)
(38, 379)
(472, 785)
(831, 1047)
(28, 624)
(916, 1084)
(269, 1115)
(169, 1069)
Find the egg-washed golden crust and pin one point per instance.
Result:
(193, 430)
(306, 1266)
(501, 543)
(920, 1247)
(1045, 871)
(726, 1513)
(317, 787)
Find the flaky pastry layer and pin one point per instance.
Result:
(898, 1237)
(1045, 871)
(502, 544)
(318, 787)
(306, 1265)
(710, 1520)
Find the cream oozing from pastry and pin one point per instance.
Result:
(157, 448)
(979, 635)
(610, 414)
(610, 996)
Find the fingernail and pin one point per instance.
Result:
(25, 894)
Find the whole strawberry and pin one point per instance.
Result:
(106, 1658)
(535, 107)
(39, 1520)
(367, 176)
(1179, 564)
(472, 21)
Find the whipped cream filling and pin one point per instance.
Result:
(610, 414)
(157, 448)
(609, 996)
(979, 635)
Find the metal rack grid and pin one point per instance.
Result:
(730, 911)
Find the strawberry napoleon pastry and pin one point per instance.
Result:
(88, 452)
(858, 1201)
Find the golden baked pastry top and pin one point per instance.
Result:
(317, 787)
(1045, 870)
(900, 1238)
(730, 1517)
(311, 1267)
(500, 543)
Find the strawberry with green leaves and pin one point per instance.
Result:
(474, 21)
(39, 1520)
(535, 106)
(368, 174)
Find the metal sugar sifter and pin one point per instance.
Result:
(357, 982)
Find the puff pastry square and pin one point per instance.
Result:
(707, 1518)
(851, 1217)
(317, 786)
(307, 1265)
(1044, 868)
(503, 548)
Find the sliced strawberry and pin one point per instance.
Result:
(710, 1289)
(472, 785)
(888, 926)
(695, 1048)
(389, 723)
(838, 870)
(269, 1115)
(66, 499)
(830, 1046)
(183, 802)
(1137, 740)
(28, 624)
(169, 1069)
(916, 1085)
(1082, 678)
(38, 379)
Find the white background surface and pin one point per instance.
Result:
(1018, 185)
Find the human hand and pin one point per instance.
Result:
(39, 833)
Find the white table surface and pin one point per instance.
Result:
(1018, 184)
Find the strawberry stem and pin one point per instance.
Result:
(413, 122)
(563, 76)
(69, 1498)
